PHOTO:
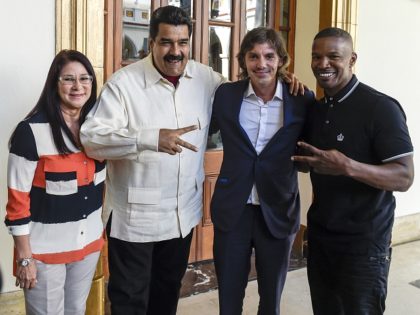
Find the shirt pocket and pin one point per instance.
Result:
(61, 183)
(197, 137)
(144, 206)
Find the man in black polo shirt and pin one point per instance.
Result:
(359, 151)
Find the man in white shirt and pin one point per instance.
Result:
(255, 204)
(150, 123)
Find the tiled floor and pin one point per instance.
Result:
(403, 291)
(12, 303)
(403, 294)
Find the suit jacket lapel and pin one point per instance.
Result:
(287, 116)
(237, 103)
(287, 107)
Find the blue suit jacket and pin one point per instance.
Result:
(274, 174)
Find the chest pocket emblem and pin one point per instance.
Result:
(340, 137)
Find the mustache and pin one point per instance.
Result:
(174, 57)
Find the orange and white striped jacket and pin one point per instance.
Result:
(55, 198)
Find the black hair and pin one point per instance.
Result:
(49, 101)
(334, 32)
(169, 15)
(261, 35)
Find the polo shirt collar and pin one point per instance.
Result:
(153, 76)
(344, 92)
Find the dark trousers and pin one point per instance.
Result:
(232, 257)
(345, 283)
(145, 278)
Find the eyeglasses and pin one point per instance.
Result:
(84, 79)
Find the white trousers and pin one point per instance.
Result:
(62, 289)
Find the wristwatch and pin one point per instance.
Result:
(24, 262)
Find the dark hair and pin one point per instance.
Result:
(169, 15)
(334, 32)
(261, 35)
(49, 101)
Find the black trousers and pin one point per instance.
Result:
(346, 283)
(232, 258)
(145, 278)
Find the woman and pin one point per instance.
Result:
(55, 193)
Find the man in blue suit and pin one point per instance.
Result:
(256, 198)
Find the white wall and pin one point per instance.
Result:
(28, 47)
(307, 23)
(388, 47)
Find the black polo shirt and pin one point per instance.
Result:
(369, 127)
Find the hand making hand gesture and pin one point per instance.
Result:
(329, 162)
(171, 143)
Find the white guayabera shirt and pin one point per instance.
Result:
(153, 196)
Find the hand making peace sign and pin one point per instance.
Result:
(171, 143)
